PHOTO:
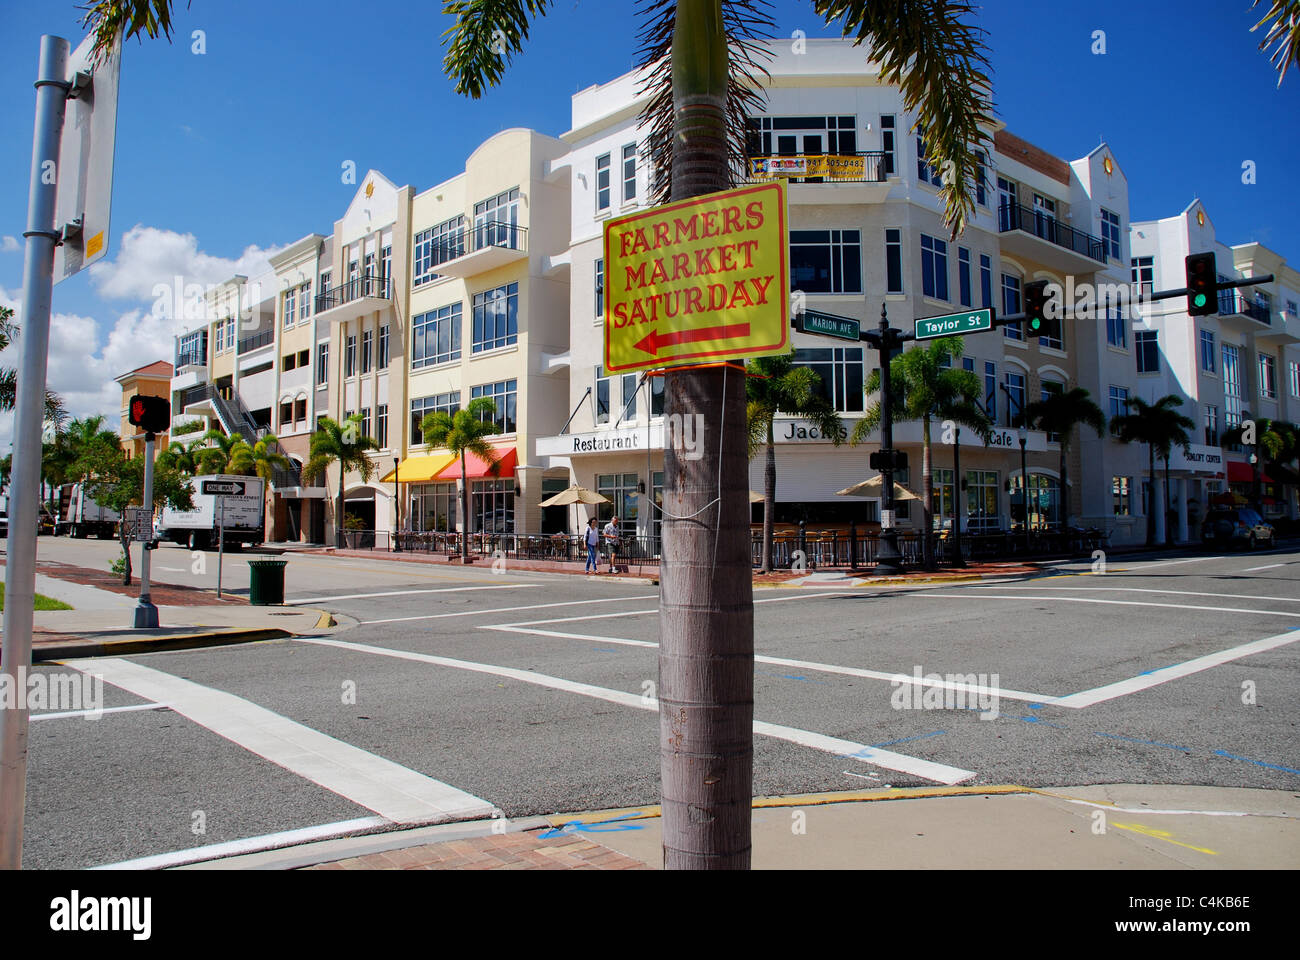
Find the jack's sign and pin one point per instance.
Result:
(698, 280)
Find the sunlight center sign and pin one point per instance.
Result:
(699, 280)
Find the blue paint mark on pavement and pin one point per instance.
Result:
(1258, 763)
(924, 736)
(604, 826)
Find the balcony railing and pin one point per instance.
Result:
(1016, 216)
(817, 168)
(191, 358)
(365, 286)
(1232, 301)
(249, 344)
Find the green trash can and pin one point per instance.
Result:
(266, 582)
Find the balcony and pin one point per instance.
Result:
(249, 344)
(355, 298)
(488, 245)
(824, 177)
(1040, 237)
(1239, 312)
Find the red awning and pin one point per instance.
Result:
(478, 470)
(1239, 472)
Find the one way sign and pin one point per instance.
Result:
(224, 488)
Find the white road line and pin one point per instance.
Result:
(1191, 813)
(1166, 563)
(96, 713)
(1266, 567)
(799, 665)
(1087, 698)
(235, 848)
(924, 769)
(535, 606)
(1122, 603)
(1179, 593)
(630, 613)
(298, 601)
(391, 790)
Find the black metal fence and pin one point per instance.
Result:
(1016, 216)
(369, 285)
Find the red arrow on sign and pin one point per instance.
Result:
(656, 341)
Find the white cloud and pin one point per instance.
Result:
(10, 245)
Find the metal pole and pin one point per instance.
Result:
(29, 416)
(221, 540)
(397, 498)
(146, 614)
(957, 495)
(1024, 491)
(888, 560)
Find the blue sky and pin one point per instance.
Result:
(243, 145)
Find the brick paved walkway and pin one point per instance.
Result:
(516, 851)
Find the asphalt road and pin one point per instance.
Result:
(461, 691)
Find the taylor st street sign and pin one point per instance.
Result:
(224, 488)
(954, 324)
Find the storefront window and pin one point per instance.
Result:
(1044, 500)
(943, 500)
(624, 501)
(434, 508)
(982, 500)
(492, 502)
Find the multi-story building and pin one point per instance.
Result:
(1239, 364)
(875, 237)
(151, 380)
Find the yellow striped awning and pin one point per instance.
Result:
(419, 469)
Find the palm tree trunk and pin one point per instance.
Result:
(706, 618)
(1152, 506)
(927, 492)
(338, 512)
(464, 512)
(769, 498)
(124, 539)
(1065, 477)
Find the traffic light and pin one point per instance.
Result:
(150, 414)
(1037, 322)
(1202, 285)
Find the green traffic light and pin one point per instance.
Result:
(1199, 300)
(1035, 323)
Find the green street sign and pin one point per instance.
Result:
(829, 325)
(954, 324)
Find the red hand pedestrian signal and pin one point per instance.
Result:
(150, 414)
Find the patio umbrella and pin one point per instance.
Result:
(755, 497)
(574, 494)
(873, 488)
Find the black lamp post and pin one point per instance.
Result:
(957, 496)
(397, 499)
(888, 560)
(1024, 481)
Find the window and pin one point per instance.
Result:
(624, 500)
(841, 372)
(1050, 388)
(350, 357)
(963, 277)
(322, 364)
(1211, 425)
(286, 413)
(629, 173)
(1267, 376)
(802, 136)
(496, 318)
(1011, 306)
(505, 394)
(1293, 371)
(826, 261)
(982, 491)
(438, 245)
(1144, 275)
(925, 171)
(367, 350)
(496, 221)
(193, 349)
(492, 505)
(1232, 392)
(656, 396)
(421, 407)
(893, 261)
(290, 298)
(1146, 346)
(435, 508)
(991, 389)
(981, 178)
(300, 410)
(602, 182)
(365, 421)
(887, 141)
(1121, 489)
(383, 347)
(1207, 351)
(610, 406)
(600, 287)
(436, 337)
(386, 261)
(934, 268)
(1116, 328)
(304, 301)
(1110, 232)
(986, 280)
(326, 277)
(968, 364)
(1118, 402)
(381, 426)
(1015, 398)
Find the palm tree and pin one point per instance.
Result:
(1060, 413)
(186, 459)
(926, 387)
(464, 432)
(342, 443)
(1161, 427)
(1276, 442)
(775, 384)
(1284, 34)
(55, 413)
(261, 459)
(219, 452)
(702, 73)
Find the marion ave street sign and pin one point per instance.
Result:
(698, 280)
(954, 324)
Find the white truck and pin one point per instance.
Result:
(80, 516)
(241, 516)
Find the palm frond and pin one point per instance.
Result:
(1283, 35)
(484, 38)
(106, 18)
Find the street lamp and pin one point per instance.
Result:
(397, 501)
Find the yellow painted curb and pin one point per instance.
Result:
(325, 620)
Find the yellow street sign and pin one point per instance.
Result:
(698, 280)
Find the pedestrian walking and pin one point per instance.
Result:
(592, 539)
(611, 541)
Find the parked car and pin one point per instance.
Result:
(1240, 525)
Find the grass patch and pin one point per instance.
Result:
(42, 602)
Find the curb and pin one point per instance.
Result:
(105, 648)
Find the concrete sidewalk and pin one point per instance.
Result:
(1128, 827)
